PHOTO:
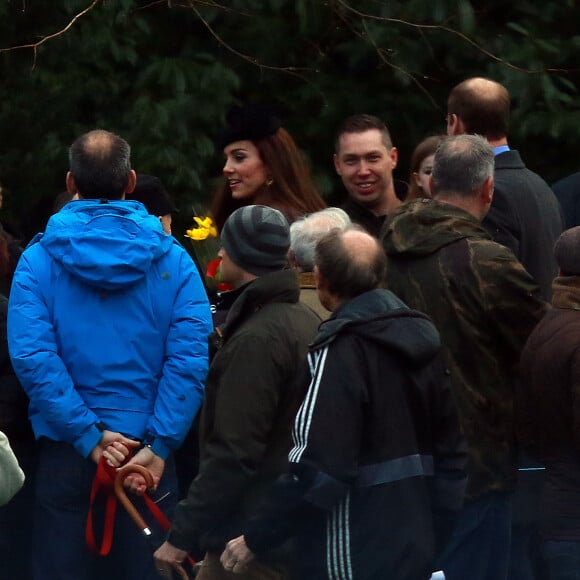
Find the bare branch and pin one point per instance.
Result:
(154, 3)
(294, 71)
(383, 56)
(35, 45)
(209, 4)
(449, 30)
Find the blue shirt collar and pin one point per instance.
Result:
(500, 149)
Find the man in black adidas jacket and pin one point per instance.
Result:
(377, 468)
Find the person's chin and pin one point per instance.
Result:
(366, 199)
(241, 194)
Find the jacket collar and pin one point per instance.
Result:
(280, 286)
(509, 160)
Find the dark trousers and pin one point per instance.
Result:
(526, 561)
(479, 547)
(64, 481)
(562, 560)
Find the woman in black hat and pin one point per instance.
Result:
(262, 166)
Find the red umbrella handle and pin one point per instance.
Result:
(159, 516)
(122, 474)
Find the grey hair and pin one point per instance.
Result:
(306, 232)
(462, 164)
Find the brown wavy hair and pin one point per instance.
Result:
(292, 191)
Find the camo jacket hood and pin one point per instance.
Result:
(424, 226)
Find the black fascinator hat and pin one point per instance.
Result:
(250, 122)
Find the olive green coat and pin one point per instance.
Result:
(485, 305)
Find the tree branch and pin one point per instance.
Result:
(35, 45)
(294, 71)
(449, 30)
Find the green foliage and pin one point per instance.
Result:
(164, 77)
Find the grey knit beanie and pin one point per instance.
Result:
(257, 239)
(567, 252)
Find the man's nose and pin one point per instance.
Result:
(363, 168)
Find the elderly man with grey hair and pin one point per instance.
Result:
(485, 305)
(305, 233)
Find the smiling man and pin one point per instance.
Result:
(365, 159)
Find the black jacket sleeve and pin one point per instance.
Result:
(324, 459)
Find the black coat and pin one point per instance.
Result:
(361, 215)
(526, 217)
(567, 191)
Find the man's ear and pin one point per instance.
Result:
(71, 186)
(319, 279)
(455, 126)
(394, 155)
(292, 259)
(336, 164)
(132, 182)
(487, 191)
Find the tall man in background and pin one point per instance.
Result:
(525, 215)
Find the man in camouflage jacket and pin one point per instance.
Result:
(484, 304)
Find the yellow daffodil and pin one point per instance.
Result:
(204, 229)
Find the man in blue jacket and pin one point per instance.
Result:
(108, 324)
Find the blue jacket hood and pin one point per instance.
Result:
(107, 244)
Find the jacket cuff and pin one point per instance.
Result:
(160, 448)
(179, 540)
(88, 440)
(260, 539)
(325, 491)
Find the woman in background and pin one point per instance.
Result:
(422, 166)
(262, 166)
